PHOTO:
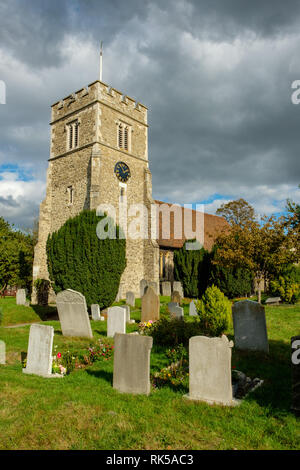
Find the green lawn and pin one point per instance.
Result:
(83, 411)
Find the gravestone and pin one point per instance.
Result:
(150, 306)
(175, 310)
(116, 321)
(132, 363)
(177, 286)
(250, 329)
(166, 289)
(295, 344)
(2, 352)
(192, 309)
(21, 297)
(130, 299)
(143, 287)
(39, 354)
(176, 297)
(73, 314)
(210, 370)
(127, 309)
(155, 286)
(95, 309)
(273, 301)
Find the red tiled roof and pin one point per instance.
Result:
(213, 225)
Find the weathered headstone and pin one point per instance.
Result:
(127, 309)
(73, 314)
(39, 354)
(210, 370)
(295, 344)
(132, 375)
(166, 289)
(95, 309)
(2, 352)
(150, 306)
(21, 297)
(192, 309)
(177, 286)
(176, 297)
(143, 287)
(116, 321)
(250, 329)
(155, 286)
(130, 298)
(273, 301)
(175, 310)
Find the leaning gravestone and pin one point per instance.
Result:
(116, 321)
(176, 297)
(21, 297)
(192, 309)
(95, 309)
(150, 306)
(250, 329)
(39, 354)
(143, 287)
(2, 352)
(130, 299)
(210, 370)
(295, 343)
(73, 314)
(132, 375)
(273, 301)
(177, 286)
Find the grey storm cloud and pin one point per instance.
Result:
(216, 76)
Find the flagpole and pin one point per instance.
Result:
(100, 75)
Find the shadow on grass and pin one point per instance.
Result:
(46, 313)
(101, 374)
(275, 370)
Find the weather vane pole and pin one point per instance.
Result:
(100, 61)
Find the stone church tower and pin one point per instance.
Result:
(92, 131)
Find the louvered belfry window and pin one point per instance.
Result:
(73, 135)
(123, 137)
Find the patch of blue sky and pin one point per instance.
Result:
(23, 174)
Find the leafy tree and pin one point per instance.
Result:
(214, 310)
(238, 212)
(263, 248)
(16, 257)
(79, 260)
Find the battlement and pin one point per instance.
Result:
(102, 93)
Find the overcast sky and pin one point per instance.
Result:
(216, 76)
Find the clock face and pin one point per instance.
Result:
(122, 171)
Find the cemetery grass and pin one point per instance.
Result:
(83, 411)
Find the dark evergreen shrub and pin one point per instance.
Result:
(79, 260)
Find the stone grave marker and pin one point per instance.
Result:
(39, 354)
(127, 309)
(250, 329)
(132, 363)
(295, 344)
(150, 306)
(177, 286)
(143, 287)
(273, 301)
(175, 310)
(192, 309)
(130, 299)
(116, 321)
(95, 309)
(155, 287)
(210, 370)
(166, 289)
(176, 297)
(2, 352)
(73, 314)
(120, 292)
(21, 297)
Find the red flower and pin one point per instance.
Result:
(58, 355)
